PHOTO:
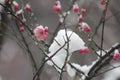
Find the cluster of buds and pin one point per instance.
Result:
(80, 18)
(85, 50)
(116, 55)
(76, 9)
(21, 26)
(27, 7)
(83, 11)
(20, 13)
(85, 27)
(57, 6)
(80, 13)
(41, 33)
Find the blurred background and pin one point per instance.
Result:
(14, 61)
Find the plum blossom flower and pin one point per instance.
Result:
(57, 6)
(80, 19)
(116, 55)
(15, 5)
(85, 50)
(28, 8)
(41, 33)
(83, 11)
(86, 27)
(75, 8)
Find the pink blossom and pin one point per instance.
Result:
(57, 7)
(41, 33)
(80, 19)
(28, 8)
(21, 29)
(83, 11)
(15, 5)
(75, 8)
(46, 29)
(81, 50)
(116, 55)
(86, 27)
(85, 50)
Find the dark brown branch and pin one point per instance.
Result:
(103, 26)
(101, 62)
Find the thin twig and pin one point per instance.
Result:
(43, 63)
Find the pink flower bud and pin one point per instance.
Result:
(83, 11)
(80, 19)
(87, 29)
(75, 8)
(15, 5)
(116, 55)
(21, 29)
(28, 8)
(46, 29)
(81, 50)
(86, 50)
(57, 8)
